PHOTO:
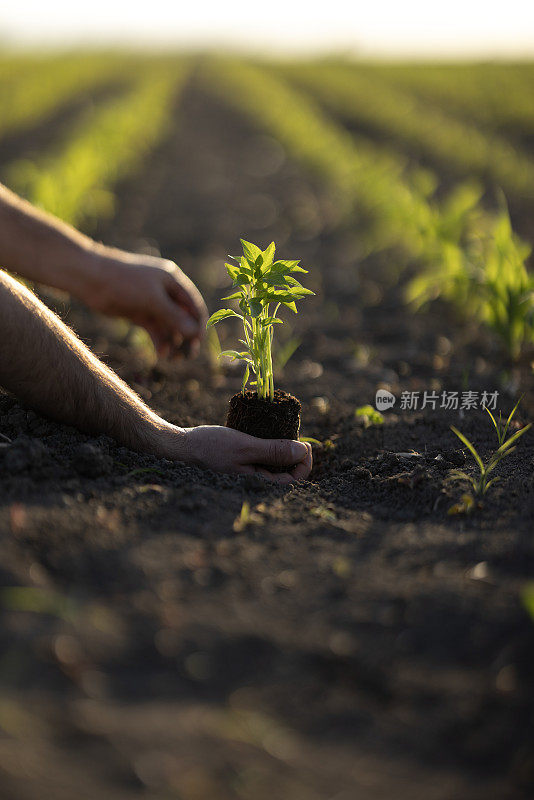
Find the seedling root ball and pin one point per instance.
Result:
(268, 419)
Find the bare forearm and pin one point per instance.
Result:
(42, 248)
(44, 364)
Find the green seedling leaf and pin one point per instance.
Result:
(469, 446)
(245, 266)
(291, 305)
(223, 313)
(271, 321)
(510, 417)
(309, 440)
(288, 266)
(251, 251)
(502, 451)
(275, 279)
(232, 270)
(256, 308)
(369, 415)
(494, 423)
(268, 255)
(465, 505)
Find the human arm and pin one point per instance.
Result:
(151, 292)
(46, 366)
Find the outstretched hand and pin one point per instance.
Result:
(151, 292)
(227, 450)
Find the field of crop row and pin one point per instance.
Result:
(411, 171)
(368, 632)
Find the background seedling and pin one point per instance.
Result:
(369, 416)
(528, 599)
(500, 426)
(481, 483)
(260, 282)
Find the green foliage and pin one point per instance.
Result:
(362, 95)
(260, 282)
(481, 482)
(468, 255)
(496, 96)
(33, 87)
(76, 183)
(528, 598)
(501, 428)
(37, 600)
(360, 174)
(478, 263)
(369, 416)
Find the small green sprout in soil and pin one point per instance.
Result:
(481, 482)
(260, 283)
(248, 517)
(501, 427)
(528, 598)
(369, 416)
(310, 440)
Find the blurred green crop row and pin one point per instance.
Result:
(417, 127)
(379, 137)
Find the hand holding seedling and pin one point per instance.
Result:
(55, 373)
(227, 450)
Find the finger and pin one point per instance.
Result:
(158, 339)
(275, 477)
(178, 319)
(276, 452)
(189, 296)
(303, 468)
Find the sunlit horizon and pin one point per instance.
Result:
(385, 28)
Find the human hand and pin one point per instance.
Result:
(151, 292)
(227, 450)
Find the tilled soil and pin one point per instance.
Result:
(345, 637)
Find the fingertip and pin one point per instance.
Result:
(302, 470)
(299, 451)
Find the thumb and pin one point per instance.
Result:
(279, 452)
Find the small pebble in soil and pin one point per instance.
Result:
(88, 460)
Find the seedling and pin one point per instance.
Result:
(500, 426)
(369, 416)
(481, 482)
(261, 282)
(528, 598)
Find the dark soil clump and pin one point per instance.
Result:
(266, 419)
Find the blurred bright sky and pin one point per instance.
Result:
(425, 27)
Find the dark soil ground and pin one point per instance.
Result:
(346, 638)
